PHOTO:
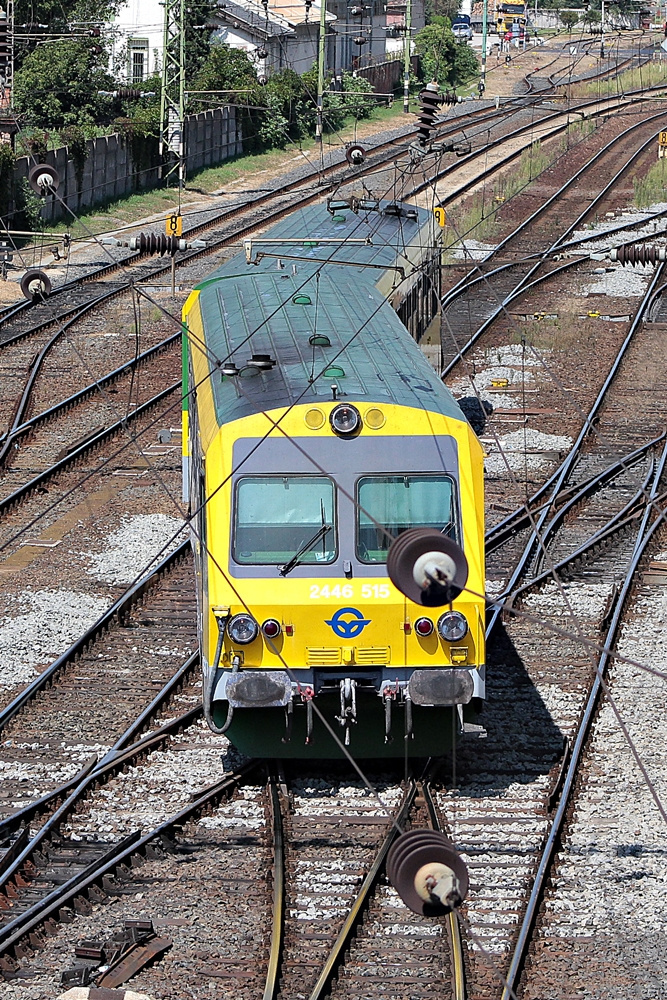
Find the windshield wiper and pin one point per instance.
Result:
(296, 558)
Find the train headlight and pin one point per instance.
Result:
(243, 629)
(345, 419)
(423, 627)
(271, 628)
(452, 626)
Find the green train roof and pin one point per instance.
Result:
(260, 308)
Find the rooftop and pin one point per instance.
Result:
(331, 289)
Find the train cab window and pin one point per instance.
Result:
(280, 518)
(389, 505)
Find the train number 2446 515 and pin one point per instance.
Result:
(346, 591)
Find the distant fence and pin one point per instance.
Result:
(109, 170)
(386, 76)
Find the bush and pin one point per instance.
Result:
(57, 85)
(442, 58)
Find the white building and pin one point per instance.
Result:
(284, 33)
(275, 37)
(137, 36)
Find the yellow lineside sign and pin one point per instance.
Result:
(662, 138)
(440, 216)
(174, 224)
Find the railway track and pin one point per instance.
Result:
(518, 789)
(96, 349)
(509, 784)
(53, 725)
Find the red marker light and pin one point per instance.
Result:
(271, 628)
(423, 626)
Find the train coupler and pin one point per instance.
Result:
(348, 706)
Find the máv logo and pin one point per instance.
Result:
(348, 629)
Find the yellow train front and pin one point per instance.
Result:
(315, 432)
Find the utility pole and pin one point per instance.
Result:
(407, 53)
(7, 121)
(320, 70)
(602, 33)
(172, 101)
(481, 86)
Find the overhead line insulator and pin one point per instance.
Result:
(638, 253)
(154, 243)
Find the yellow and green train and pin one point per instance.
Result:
(315, 432)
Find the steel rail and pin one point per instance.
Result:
(562, 512)
(100, 768)
(644, 535)
(454, 930)
(278, 910)
(12, 932)
(451, 126)
(525, 282)
(624, 102)
(76, 314)
(342, 943)
(68, 314)
(520, 517)
(90, 779)
(568, 464)
(465, 284)
(621, 520)
(117, 610)
(456, 125)
(96, 439)
(19, 429)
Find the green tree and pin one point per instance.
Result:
(226, 69)
(569, 18)
(76, 16)
(197, 36)
(58, 82)
(442, 58)
(592, 18)
(440, 8)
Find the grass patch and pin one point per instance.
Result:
(652, 187)
(479, 222)
(649, 75)
(559, 334)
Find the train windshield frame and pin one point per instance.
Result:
(388, 505)
(276, 516)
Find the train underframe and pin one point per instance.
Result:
(317, 714)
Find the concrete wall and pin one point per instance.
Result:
(109, 171)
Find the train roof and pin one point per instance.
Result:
(337, 290)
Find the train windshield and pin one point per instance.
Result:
(389, 505)
(278, 516)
